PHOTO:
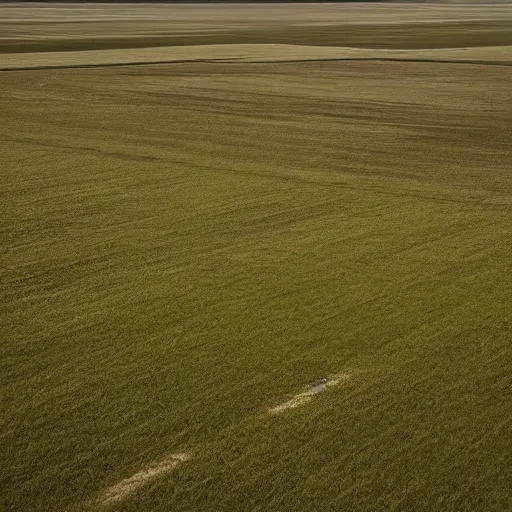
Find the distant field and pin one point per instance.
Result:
(246, 53)
(40, 27)
(116, 35)
(187, 246)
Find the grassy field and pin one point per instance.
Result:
(104, 35)
(33, 27)
(187, 245)
(248, 53)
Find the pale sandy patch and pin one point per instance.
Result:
(307, 395)
(129, 485)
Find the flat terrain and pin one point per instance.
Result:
(187, 246)
(248, 53)
(64, 27)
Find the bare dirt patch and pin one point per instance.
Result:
(314, 388)
(129, 485)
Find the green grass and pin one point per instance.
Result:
(186, 245)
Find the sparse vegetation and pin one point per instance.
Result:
(187, 245)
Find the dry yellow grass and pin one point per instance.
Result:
(247, 53)
(197, 17)
(58, 27)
